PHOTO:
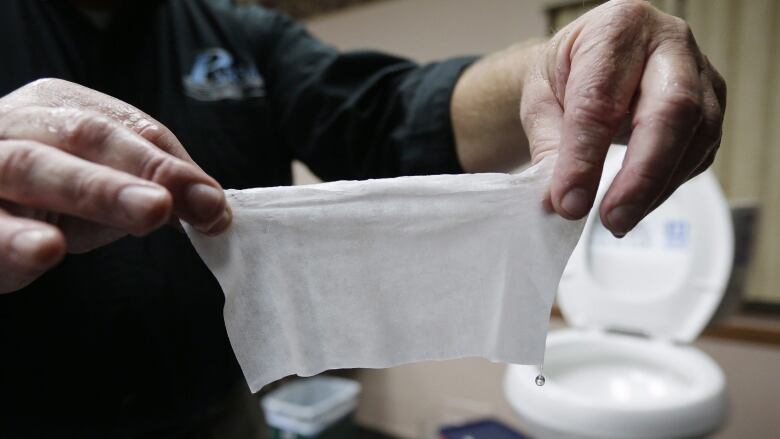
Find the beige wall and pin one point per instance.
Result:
(411, 400)
(432, 29)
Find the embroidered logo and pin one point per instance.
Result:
(216, 75)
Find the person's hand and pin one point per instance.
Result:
(623, 71)
(79, 169)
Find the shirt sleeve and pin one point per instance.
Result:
(361, 114)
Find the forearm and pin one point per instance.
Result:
(485, 111)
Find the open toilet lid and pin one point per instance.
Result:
(666, 277)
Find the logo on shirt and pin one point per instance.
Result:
(216, 75)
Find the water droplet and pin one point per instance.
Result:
(539, 380)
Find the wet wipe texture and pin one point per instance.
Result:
(382, 272)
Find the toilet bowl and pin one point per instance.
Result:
(625, 369)
(601, 385)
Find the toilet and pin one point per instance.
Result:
(624, 367)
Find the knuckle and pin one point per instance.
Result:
(11, 119)
(622, 16)
(676, 36)
(621, 30)
(157, 167)
(87, 191)
(592, 130)
(597, 98)
(161, 137)
(681, 27)
(680, 106)
(97, 195)
(16, 159)
(84, 129)
(594, 108)
(153, 133)
(586, 160)
(141, 125)
(618, 25)
(684, 102)
(632, 8)
(675, 28)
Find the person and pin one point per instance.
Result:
(113, 325)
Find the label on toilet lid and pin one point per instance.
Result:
(664, 279)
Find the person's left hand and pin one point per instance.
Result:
(80, 169)
(623, 70)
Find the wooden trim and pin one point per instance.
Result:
(748, 327)
(753, 327)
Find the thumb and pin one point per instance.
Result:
(29, 249)
(542, 117)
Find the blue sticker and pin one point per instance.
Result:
(676, 234)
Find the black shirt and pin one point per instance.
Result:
(130, 338)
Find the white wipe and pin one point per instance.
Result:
(382, 272)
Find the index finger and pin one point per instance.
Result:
(197, 198)
(667, 116)
(59, 93)
(605, 71)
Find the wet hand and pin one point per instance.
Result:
(80, 169)
(622, 72)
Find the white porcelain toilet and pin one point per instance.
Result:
(624, 369)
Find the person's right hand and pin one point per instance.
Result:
(80, 169)
(624, 71)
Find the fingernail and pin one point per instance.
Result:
(139, 202)
(623, 218)
(222, 223)
(576, 202)
(204, 203)
(28, 243)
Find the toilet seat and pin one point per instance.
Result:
(624, 370)
(640, 388)
(666, 278)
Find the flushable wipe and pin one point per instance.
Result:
(382, 272)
